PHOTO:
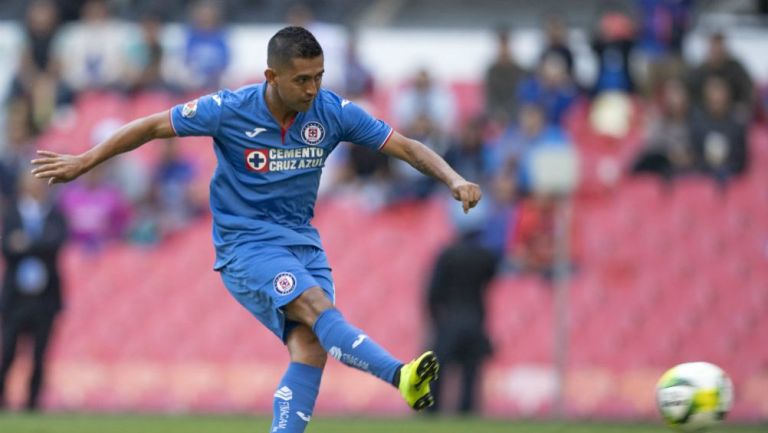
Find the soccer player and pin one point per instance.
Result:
(271, 141)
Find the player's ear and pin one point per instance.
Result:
(271, 76)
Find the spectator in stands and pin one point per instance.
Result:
(38, 80)
(669, 145)
(207, 52)
(551, 87)
(721, 62)
(501, 211)
(367, 165)
(613, 46)
(358, 83)
(172, 202)
(516, 147)
(70, 10)
(719, 136)
(662, 29)
(148, 56)
(501, 80)
(33, 233)
(456, 304)
(369, 176)
(173, 193)
(96, 209)
(469, 156)
(94, 54)
(131, 175)
(407, 183)
(425, 111)
(663, 26)
(426, 101)
(556, 44)
(532, 238)
(20, 146)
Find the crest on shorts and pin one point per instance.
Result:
(284, 283)
(312, 133)
(190, 109)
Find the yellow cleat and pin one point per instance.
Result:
(415, 378)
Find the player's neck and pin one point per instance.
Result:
(281, 112)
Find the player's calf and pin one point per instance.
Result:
(353, 347)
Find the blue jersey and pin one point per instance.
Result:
(265, 184)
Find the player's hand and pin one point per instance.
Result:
(467, 193)
(57, 168)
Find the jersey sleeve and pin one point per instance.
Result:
(361, 128)
(201, 116)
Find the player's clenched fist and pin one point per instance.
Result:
(467, 193)
(57, 168)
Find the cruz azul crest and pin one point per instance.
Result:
(284, 283)
(312, 133)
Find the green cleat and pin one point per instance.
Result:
(415, 378)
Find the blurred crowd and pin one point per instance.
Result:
(695, 116)
(123, 200)
(693, 120)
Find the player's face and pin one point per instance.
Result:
(299, 83)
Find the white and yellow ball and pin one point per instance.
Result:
(694, 396)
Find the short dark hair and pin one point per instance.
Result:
(290, 43)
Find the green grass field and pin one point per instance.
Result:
(12, 423)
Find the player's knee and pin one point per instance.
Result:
(312, 354)
(305, 348)
(308, 306)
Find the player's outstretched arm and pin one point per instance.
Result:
(425, 160)
(57, 168)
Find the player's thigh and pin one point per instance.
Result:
(307, 307)
(316, 263)
(266, 279)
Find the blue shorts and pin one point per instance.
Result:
(265, 279)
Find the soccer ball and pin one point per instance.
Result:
(694, 396)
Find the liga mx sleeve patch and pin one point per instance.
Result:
(198, 117)
(190, 109)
